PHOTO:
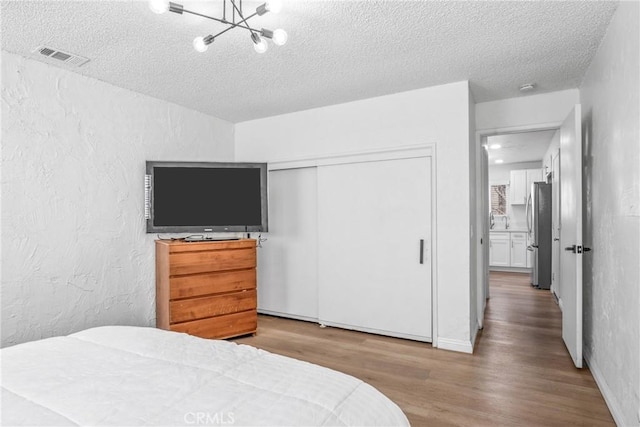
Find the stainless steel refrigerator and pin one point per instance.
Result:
(538, 212)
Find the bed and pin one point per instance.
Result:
(121, 375)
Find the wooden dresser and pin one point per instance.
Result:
(206, 289)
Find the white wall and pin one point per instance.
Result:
(546, 108)
(611, 190)
(437, 115)
(474, 235)
(74, 249)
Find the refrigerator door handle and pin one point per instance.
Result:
(527, 211)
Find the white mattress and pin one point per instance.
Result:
(120, 375)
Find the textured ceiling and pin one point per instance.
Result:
(338, 51)
(519, 147)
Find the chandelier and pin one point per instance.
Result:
(238, 18)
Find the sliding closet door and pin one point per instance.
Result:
(374, 246)
(287, 264)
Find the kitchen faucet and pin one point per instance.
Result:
(506, 222)
(492, 220)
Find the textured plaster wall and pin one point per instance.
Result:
(74, 249)
(611, 152)
(439, 115)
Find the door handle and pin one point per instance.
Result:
(421, 251)
(555, 239)
(577, 249)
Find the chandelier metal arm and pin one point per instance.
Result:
(244, 20)
(234, 26)
(224, 21)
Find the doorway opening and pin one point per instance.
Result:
(562, 168)
(510, 161)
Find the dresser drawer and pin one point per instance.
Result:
(209, 261)
(211, 283)
(199, 308)
(226, 326)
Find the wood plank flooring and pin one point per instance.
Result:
(519, 375)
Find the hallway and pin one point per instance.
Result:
(522, 338)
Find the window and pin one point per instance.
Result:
(499, 199)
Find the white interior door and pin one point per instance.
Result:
(287, 266)
(571, 233)
(374, 243)
(555, 227)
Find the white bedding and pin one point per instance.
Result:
(120, 375)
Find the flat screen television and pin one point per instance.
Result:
(199, 197)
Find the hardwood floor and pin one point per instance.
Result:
(520, 373)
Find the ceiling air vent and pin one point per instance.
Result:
(57, 56)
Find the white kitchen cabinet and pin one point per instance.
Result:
(518, 250)
(509, 249)
(520, 181)
(518, 187)
(499, 249)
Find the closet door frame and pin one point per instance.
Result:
(400, 152)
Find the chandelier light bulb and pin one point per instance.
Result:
(159, 6)
(200, 45)
(261, 46)
(280, 37)
(274, 6)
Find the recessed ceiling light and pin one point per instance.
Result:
(495, 146)
(499, 161)
(527, 87)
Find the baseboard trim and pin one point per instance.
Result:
(288, 316)
(455, 345)
(476, 328)
(609, 398)
(510, 269)
(394, 334)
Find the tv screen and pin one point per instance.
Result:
(206, 197)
